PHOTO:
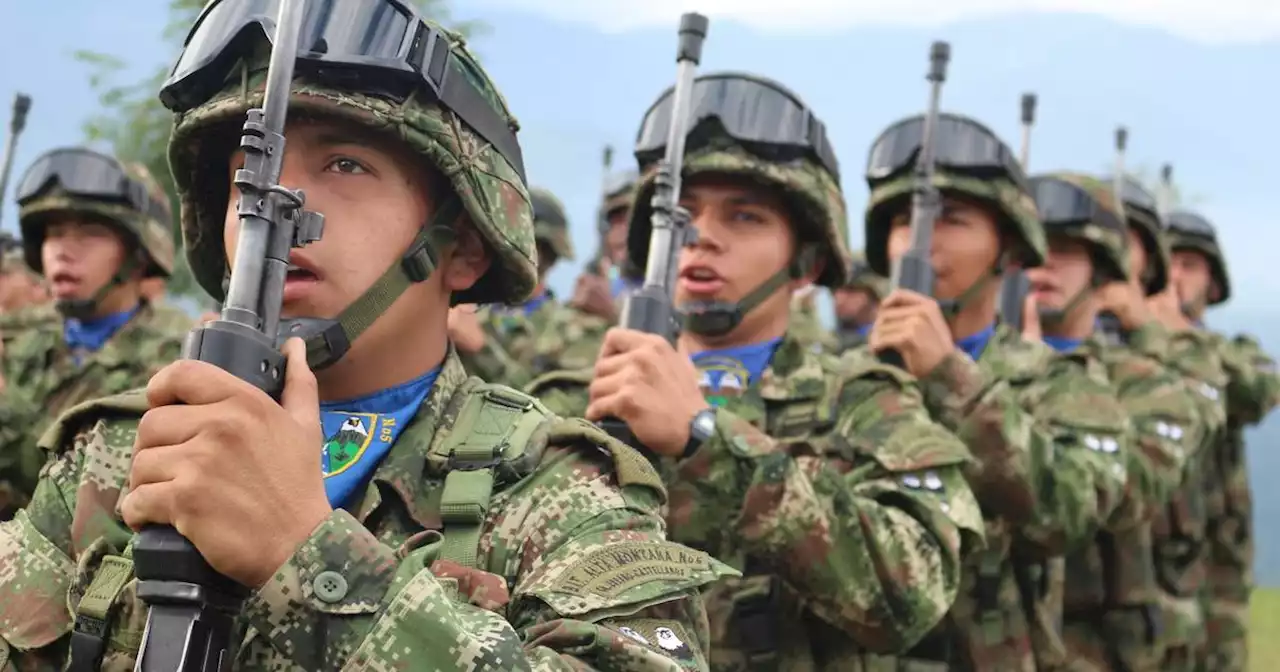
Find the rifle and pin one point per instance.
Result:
(1108, 323)
(191, 620)
(1165, 196)
(602, 215)
(1014, 288)
(651, 308)
(913, 269)
(21, 105)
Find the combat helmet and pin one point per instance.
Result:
(789, 153)
(123, 196)
(412, 81)
(1190, 231)
(972, 163)
(862, 277)
(1142, 215)
(551, 224)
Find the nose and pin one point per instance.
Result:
(704, 230)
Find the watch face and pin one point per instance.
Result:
(704, 424)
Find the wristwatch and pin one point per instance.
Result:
(701, 428)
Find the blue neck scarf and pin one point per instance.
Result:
(1062, 343)
(359, 432)
(973, 345)
(91, 335)
(730, 371)
(535, 303)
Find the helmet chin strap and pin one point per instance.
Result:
(952, 307)
(84, 309)
(1054, 317)
(329, 339)
(719, 318)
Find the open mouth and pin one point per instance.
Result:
(701, 280)
(298, 273)
(63, 283)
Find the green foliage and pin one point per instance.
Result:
(134, 126)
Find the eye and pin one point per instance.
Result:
(347, 165)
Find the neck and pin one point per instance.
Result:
(747, 333)
(118, 300)
(975, 316)
(378, 358)
(1078, 325)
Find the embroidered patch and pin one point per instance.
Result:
(667, 637)
(616, 568)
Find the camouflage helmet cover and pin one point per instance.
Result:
(862, 277)
(1147, 224)
(492, 193)
(153, 235)
(550, 223)
(1181, 238)
(618, 194)
(1014, 205)
(1109, 244)
(811, 193)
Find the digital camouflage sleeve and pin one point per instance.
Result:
(1051, 449)
(844, 506)
(520, 347)
(572, 571)
(42, 379)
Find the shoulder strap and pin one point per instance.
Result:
(132, 403)
(493, 426)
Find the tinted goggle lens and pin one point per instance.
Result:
(959, 143)
(1192, 225)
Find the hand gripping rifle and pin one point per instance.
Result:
(651, 307)
(21, 105)
(1108, 323)
(190, 625)
(913, 270)
(1013, 290)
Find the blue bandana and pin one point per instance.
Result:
(1062, 343)
(361, 434)
(973, 345)
(728, 372)
(91, 335)
(535, 303)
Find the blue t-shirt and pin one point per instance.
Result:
(85, 336)
(974, 345)
(1062, 343)
(729, 372)
(359, 432)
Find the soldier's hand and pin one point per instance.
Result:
(236, 473)
(913, 325)
(1126, 302)
(464, 328)
(593, 293)
(1031, 330)
(641, 380)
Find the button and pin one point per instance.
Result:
(330, 586)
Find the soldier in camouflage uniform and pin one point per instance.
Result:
(856, 304)
(1051, 444)
(822, 480)
(515, 344)
(805, 325)
(94, 250)
(389, 512)
(1250, 388)
(22, 295)
(1112, 609)
(603, 284)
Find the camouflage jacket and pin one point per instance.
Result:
(806, 327)
(572, 569)
(42, 380)
(172, 318)
(18, 322)
(1052, 454)
(844, 506)
(520, 347)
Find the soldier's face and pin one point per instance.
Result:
(375, 196)
(966, 245)
(855, 304)
(615, 238)
(19, 289)
(1066, 272)
(1192, 278)
(744, 237)
(80, 256)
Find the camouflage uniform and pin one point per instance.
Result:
(520, 345)
(806, 326)
(1112, 608)
(44, 376)
(863, 278)
(1249, 387)
(1053, 451)
(825, 483)
(493, 536)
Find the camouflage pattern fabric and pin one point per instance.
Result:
(42, 380)
(1112, 610)
(1052, 454)
(848, 338)
(843, 505)
(519, 347)
(806, 327)
(171, 318)
(551, 224)
(573, 571)
(18, 322)
(1253, 389)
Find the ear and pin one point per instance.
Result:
(466, 261)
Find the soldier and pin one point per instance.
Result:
(1049, 439)
(857, 302)
(601, 287)
(389, 511)
(173, 317)
(1113, 602)
(516, 344)
(95, 246)
(19, 286)
(1249, 388)
(822, 480)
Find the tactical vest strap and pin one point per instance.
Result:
(93, 614)
(492, 421)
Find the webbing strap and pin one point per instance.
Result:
(88, 639)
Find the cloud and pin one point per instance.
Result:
(1211, 21)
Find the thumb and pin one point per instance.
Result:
(300, 398)
(1031, 319)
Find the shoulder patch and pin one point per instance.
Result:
(669, 638)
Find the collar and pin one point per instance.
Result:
(974, 345)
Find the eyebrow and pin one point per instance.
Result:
(740, 199)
